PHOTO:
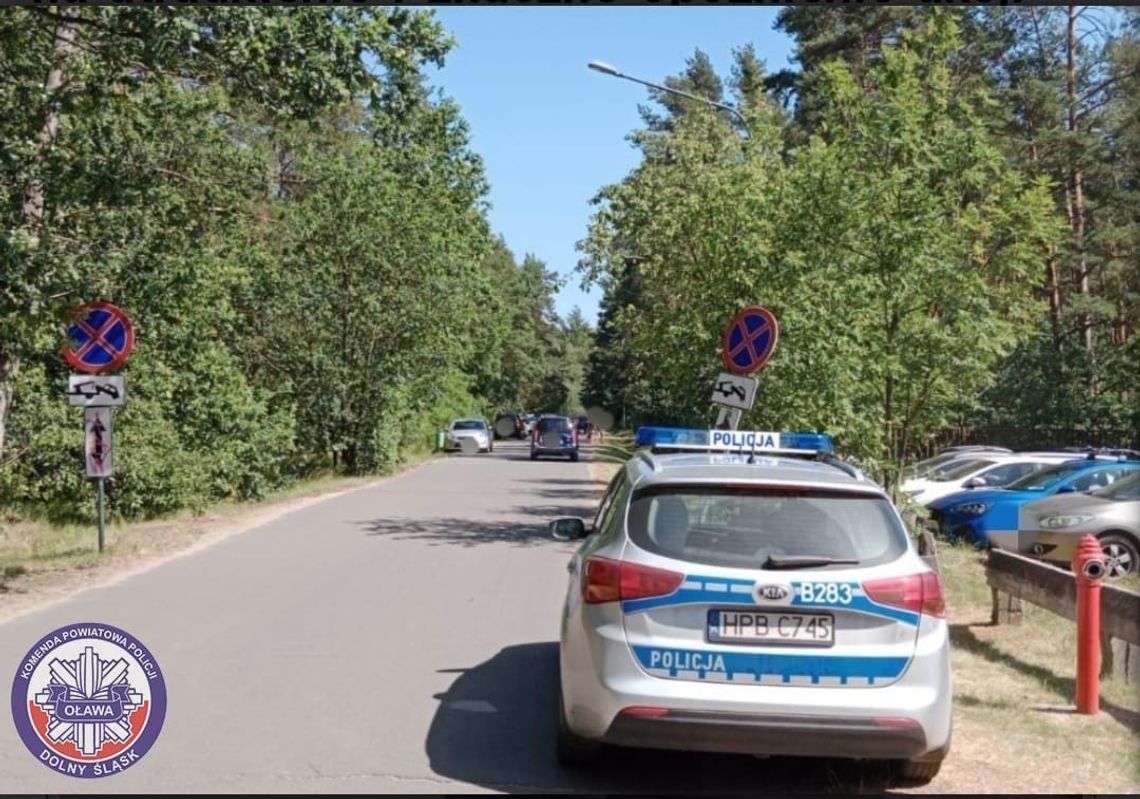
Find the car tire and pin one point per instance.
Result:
(1120, 547)
(917, 772)
(534, 456)
(574, 457)
(572, 750)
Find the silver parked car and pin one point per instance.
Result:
(474, 429)
(1050, 528)
(767, 601)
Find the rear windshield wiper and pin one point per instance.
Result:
(805, 561)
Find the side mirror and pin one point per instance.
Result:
(1069, 489)
(975, 482)
(567, 529)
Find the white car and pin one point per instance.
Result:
(473, 429)
(978, 471)
(925, 467)
(761, 599)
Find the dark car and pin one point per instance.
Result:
(554, 435)
(509, 425)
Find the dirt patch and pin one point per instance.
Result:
(41, 565)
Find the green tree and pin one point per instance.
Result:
(892, 235)
(292, 218)
(103, 69)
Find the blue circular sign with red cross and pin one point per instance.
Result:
(100, 338)
(750, 340)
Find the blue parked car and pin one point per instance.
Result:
(989, 517)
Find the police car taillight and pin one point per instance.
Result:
(919, 593)
(608, 580)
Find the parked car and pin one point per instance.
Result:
(473, 428)
(509, 425)
(1050, 528)
(974, 448)
(768, 606)
(554, 435)
(974, 471)
(924, 467)
(990, 517)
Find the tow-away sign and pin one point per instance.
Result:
(96, 391)
(734, 391)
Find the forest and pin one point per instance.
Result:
(295, 223)
(939, 205)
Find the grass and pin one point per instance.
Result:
(616, 449)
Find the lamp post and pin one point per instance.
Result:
(606, 69)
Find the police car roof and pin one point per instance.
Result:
(715, 468)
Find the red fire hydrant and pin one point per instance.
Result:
(1089, 568)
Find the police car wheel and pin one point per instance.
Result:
(918, 771)
(570, 749)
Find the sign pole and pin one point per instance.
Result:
(99, 429)
(99, 494)
(728, 418)
(100, 338)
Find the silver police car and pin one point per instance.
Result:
(747, 592)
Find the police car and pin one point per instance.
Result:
(748, 592)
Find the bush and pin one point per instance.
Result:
(42, 474)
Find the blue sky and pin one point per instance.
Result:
(552, 132)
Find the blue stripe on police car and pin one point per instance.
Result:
(756, 666)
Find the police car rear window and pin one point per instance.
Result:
(743, 527)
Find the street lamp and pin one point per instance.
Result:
(606, 69)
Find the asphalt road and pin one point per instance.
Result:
(398, 639)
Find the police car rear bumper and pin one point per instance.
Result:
(601, 680)
(888, 738)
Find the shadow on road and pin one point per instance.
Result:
(568, 481)
(588, 496)
(551, 512)
(461, 532)
(494, 727)
(467, 532)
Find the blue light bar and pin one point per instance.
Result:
(733, 440)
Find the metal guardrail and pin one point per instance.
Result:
(1014, 577)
